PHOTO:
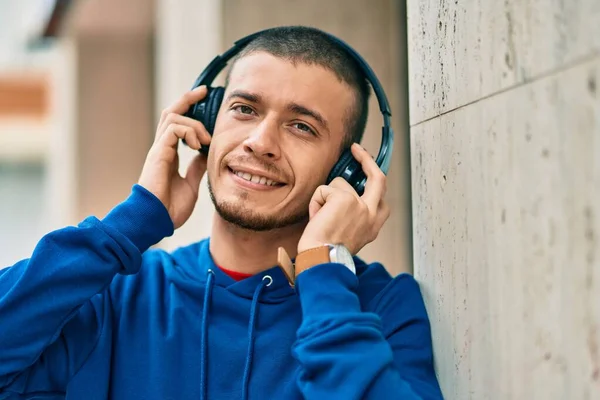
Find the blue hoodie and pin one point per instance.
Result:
(95, 314)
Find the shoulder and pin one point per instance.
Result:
(159, 267)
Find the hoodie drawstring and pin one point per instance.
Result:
(203, 351)
(251, 326)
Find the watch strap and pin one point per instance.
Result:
(287, 266)
(311, 257)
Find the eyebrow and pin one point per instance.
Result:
(252, 97)
(298, 109)
(293, 107)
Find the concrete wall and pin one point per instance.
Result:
(505, 130)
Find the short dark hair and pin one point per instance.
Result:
(307, 45)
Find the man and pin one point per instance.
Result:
(94, 314)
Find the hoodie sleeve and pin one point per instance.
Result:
(347, 353)
(58, 284)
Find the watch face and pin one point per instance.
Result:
(340, 254)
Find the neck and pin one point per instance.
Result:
(251, 252)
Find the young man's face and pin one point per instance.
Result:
(277, 136)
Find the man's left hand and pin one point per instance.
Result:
(338, 215)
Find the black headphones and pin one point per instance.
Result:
(346, 167)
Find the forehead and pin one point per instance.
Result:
(280, 81)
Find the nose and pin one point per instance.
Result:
(263, 141)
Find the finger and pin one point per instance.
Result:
(201, 132)
(195, 172)
(174, 132)
(342, 184)
(184, 103)
(375, 187)
(383, 213)
(318, 199)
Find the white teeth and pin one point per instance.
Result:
(255, 178)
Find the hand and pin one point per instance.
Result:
(338, 215)
(160, 174)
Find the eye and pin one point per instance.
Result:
(243, 109)
(303, 127)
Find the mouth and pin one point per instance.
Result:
(254, 179)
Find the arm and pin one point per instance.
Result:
(346, 353)
(39, 296)
(48, 324)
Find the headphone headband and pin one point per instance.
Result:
(220, 62)
(387, 134)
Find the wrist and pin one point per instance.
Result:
(142, 218)
(322, 254)
(310, 257)
(305, 246)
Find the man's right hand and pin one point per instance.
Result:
(160, 174)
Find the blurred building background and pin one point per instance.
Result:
(494, 185)
(24, 130)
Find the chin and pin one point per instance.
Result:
(253, 220)
(242, 211)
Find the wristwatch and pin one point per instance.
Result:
(334, 253)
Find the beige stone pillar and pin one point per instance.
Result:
(115, 118)
(188, 37)
(102, 107)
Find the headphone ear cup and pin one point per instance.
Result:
(349, 169)
(206, 110)
(213, 104)
(340, 166)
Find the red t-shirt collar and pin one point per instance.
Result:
(236, 276)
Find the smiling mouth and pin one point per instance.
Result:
(257, 179)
